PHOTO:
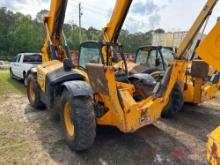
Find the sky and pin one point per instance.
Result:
(144, 15)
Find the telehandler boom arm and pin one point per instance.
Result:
(53, 23)
(113, 28)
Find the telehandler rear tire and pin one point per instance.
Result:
(175, 103)
(33, 92)
(78, 121)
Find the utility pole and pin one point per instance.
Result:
(80, 16)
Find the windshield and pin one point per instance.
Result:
(35, 58)
(149, 57)
(167, 54)
(89, 55)
(141, 57)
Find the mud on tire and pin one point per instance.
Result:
(82, 118)
(175, 103)
(33, 92)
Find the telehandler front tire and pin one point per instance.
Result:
(78, 121)
(175, 103)
(33, 92)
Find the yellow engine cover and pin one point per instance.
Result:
(213, 147)
(44, 69)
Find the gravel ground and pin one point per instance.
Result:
(28, 136)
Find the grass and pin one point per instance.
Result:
(8, 85)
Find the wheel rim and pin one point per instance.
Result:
(31, 91)
(67, 119)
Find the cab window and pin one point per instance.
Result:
(154, 59)
(89, 54)
(167, 54)
(142, 57)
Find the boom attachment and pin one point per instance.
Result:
(209, 49)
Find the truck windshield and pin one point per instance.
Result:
(34, 58)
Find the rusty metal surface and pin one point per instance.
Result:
(97, 78)
(199, 69)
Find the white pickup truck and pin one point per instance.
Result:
(22, 63)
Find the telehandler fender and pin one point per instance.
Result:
(78, 88)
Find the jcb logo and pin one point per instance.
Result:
(40, 78)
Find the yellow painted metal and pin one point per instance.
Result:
(188, 93)
(134, 114)
(50, 66)
(44, 69)
(67, 119)
(197, 98)
(52, 21)
(111, 31)
(213, 147)
(209, 49)
(199, 91)
(31, 90)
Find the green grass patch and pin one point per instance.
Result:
(8, 85)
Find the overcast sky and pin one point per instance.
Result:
(144, 15)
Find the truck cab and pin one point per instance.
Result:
(22, 63)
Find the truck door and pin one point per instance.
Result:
(15, 65)
(19, 66)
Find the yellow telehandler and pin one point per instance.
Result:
(93, 93)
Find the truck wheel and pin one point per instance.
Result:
(175, 103)
(11, 74)
(33, 92)
(78, 121)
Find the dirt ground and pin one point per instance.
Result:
(29, 136)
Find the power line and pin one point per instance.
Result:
(97, 13)
(80, 16)
(93, 8)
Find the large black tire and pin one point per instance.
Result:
(33, 92)
(175, 103)
(81, 118)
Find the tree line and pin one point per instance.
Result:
(20, 33)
